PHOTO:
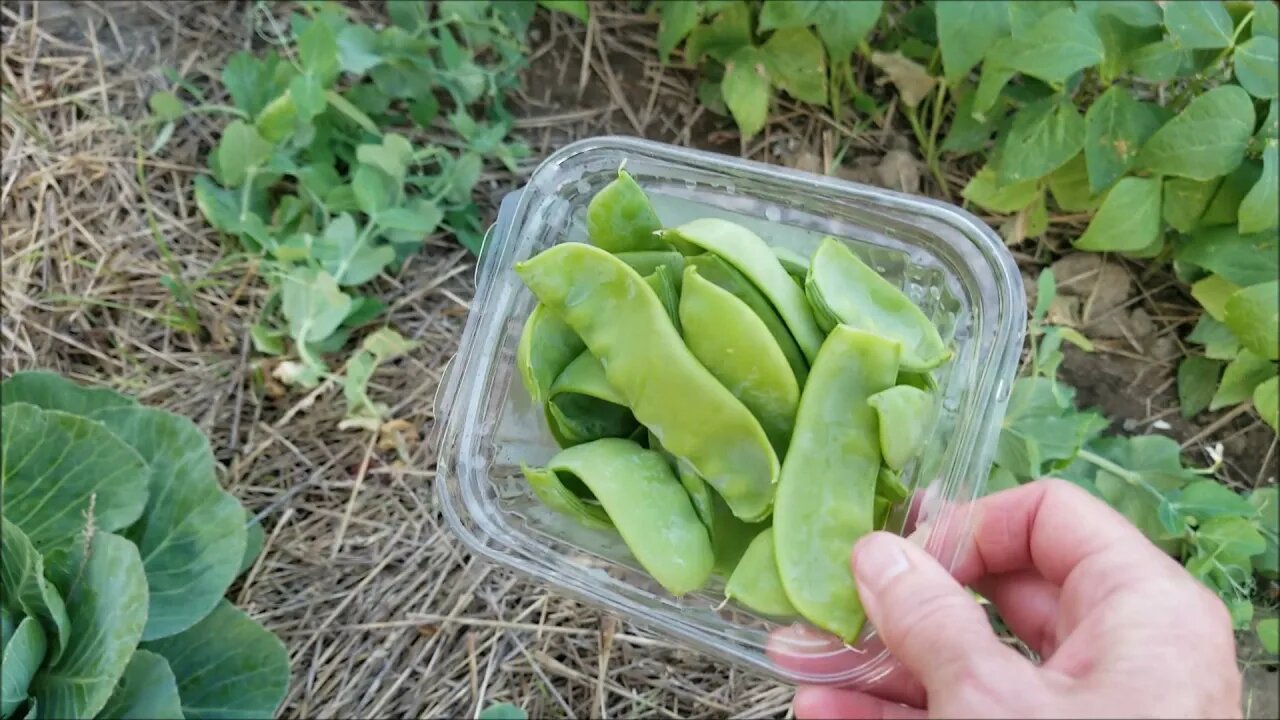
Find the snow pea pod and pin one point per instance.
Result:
(646, 503)
(755, 581)
(890, 486)
(734, 344)
(796, 265)
(745, 251)
(646, 261)
(664, 285)
(625, 325)
(547, 346)
(700, 493)
(843, 288)
(583, 406)
(905, 416)
(620, 218)
(554, 492)
(715, 269)
(826, 495)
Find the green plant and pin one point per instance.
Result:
(318, 180)
(118, 546)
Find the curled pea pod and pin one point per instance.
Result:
(725, 276)
(583, 406)
(905, 418)
(734, 344)
(826, 495)
(646, 261)
(642, 498)
(843, 289)
(620, 218)
(755, 582)
(625, 325)
(796, 265)
(547, 346)
(748, 253)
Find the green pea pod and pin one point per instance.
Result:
(755, 581)
(922, 381)
(700, 493)
(890, 487)
(734, 344)
(620, 218)
(549, 488)
(880, 514)
(547, 346)
(582, 406)
(844, 288)
(715, 269)
(826, 495)
(796, 265)
(663, 284)
(646, 503)
(905, 416)
(745, 251)
(625, 325)
(646, 261)
(585, 376)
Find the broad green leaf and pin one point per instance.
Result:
(1207, 139)
(313, 304)
(1241, 377)
(252, 83)
(420, 218)
(1225, 206)
(1195, 24)
(1270, 128)
(1212, 294)
(677, 18)
(574, 8)
(969, 133)
(1256, 66)
(1265, 19)
(255, 540)
(349, 256)
(1218, 341)
(797, 64)
(1269, 635)
(1070, 186)
(1155, 459)
(1241, 259)
(995, 75)
(23, 653)
(1185, 201)
(55, 464)
(1138, 13)
(241, 150)
(1197, 382)
(146, 691)
(463, 176)
(723, 36)
(392, 156)
(507, 711)
(1159, 61)
(27, 592)
(308, 96)
(221, 207)
(1044, 136)
(783, 14)
(166, 106)
(1060, 43)
(746, 89)
(191, 535)
(1260, 209)
(318, 51)
(983, 191)
(1206, 499)
(227, 666)
(966, 30)
(1116, 126)
(375, 191)
(1232, 540)
(842, 25)
(107, 608)
(1253, 314)
(358, 49)
(51, 391)
(1265, 399)
(1128, 220)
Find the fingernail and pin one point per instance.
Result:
(878, 560)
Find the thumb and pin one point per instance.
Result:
(931, 624)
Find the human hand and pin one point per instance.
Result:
(1122, 629)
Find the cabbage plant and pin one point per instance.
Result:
(117, 548)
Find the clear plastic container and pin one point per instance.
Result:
(947, 261)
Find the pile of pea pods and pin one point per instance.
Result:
(726, 406)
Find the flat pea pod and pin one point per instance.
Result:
(646, 261)
(796, 265)
(646, 503)
(625, 325)
(734, 344)
(664, 285)
(620, 218)
(583, 406)
(700, 493)
(755, 582)
(826, 495)
(921, 380)
(554, 492)
(724, 275)
(890, 486)
(748, 253)
(547, 346)
(842, 287)
(905, 418)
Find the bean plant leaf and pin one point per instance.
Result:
(1024, 14)
(313, 304)
(1253, 314)
(192, 533)
(1207, 139)
(1241, 259)
(1265, 399)
(208, 663)
(1260, 209)
(1044, 136)
(1269, 635)
(1198, 24)
(842, 25)
(1197, 382)
(785, 14)
(1070, 186)
(146, 691)
(107, 609)
(984, 192)
(1137, 13)
(1159, 61)
(1241, 377)
(574, 8)
(746, 89)
(1128, 220)
(1116, 126)
(51, 391)
(1212, 293)
(797, 64)
(348, 255)
(55, 464)
(1224, 208)
(677, 18)
(1060, 44)
(1256, 63)
(723, 36)
(1185, 201)
(966, 30)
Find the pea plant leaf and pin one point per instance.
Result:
(797, 64)
(1116, 126)
(1269, 635)
(1255, 64)
(746, 89)
(1260, 208)
(1253, 314)
(380, 346)
(1128, 220)
(241, 150)
(1198, 24)
(1265, 19)
(1043, 137)
(318, 51)
(348, 255)
(966, 30)
(1206, 499)
(1197, 381)
(313, 304)
(1207, 139)
(1242, 376)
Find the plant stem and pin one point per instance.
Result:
(1127, 475)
